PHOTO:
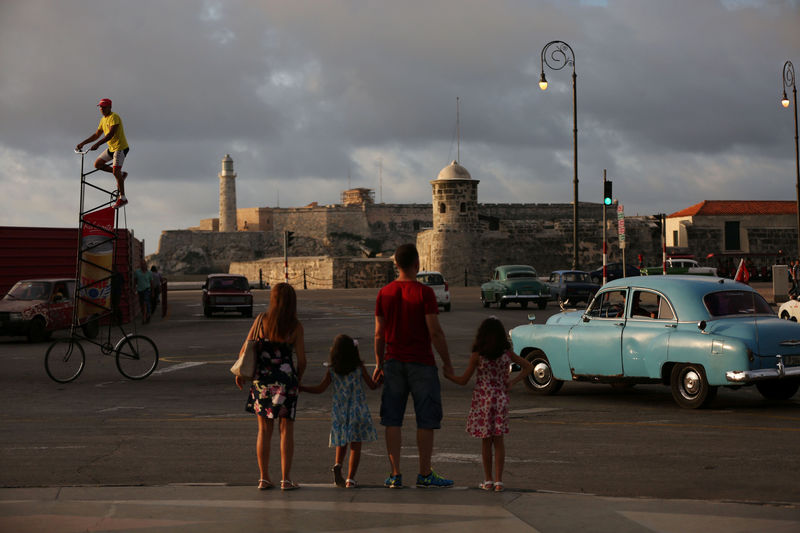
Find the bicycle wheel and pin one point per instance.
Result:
(137, 356)
(64, 360)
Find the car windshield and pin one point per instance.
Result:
(725, 303)
(521, 274)
(29, 290)
(222, 284)
(576, 276)
(430, 279)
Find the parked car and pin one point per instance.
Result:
(436, 281)
(227, 292)
(693, 333)
(613, 271)
(37, 307)
(515, 283)
(789, 310)
(568, 287)
(679, 266)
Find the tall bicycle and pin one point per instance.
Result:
(96, 278)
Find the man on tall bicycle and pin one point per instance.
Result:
(112, 132)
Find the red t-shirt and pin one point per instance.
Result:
(403, 306)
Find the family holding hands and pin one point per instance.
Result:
(407, 330)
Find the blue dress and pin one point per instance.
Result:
(351, 421)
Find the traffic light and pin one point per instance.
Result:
(289, 238)
(607, 197)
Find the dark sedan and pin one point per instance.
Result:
(568, 287)
(613, 271)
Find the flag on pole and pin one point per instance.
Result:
(741, 273)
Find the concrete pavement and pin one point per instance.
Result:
(211, 508)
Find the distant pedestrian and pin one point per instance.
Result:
(155, 287)
(351, 423)
(273, 392)
(488, 415)
(112, 132)
(406, 324)
(143, 279)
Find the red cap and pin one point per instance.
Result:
(105, 102)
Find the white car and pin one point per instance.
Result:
(436, 281)
(789, 310)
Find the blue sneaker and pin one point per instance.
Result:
(433, 480)
(394, 482)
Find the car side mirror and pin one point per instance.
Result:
(702, 326)
(531, 317)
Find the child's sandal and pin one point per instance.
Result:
(337, 475)
(264, 484)
(351, 483)
(486, 485)
(287, 484)
(498, 486)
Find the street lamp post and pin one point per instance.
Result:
(560, 56)
(788, 81)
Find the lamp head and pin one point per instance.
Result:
(543, 82)
(784, 100)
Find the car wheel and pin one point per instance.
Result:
(37, 332)
(690, 388)
(523, 304)
(207, 312)
(541, 379)
(501, 303)
(248, 313)
(542, 304)
(484, 301)
(782, 389)
(447, 308)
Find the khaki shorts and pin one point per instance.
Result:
(117, 157)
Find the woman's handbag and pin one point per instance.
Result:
(245, 365)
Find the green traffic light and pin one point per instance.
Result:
(607, 200)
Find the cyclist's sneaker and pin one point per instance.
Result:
(394, 482)
(120, 202)
(433, 480)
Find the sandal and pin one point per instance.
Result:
(351, 483)
(288, 484)
(486, 485)
(264, 484)
(498, 486)
(337, 475)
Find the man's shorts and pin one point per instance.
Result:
(117, 157)
(422, 381)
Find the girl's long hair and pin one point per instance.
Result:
(344, 355)
(281, 321)
(491, 339)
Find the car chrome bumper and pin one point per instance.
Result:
(749, 376)
(526, 297)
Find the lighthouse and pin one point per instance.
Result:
(227, 195)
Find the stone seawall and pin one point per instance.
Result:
(319, 272)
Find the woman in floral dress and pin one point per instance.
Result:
(488, 414)
(273, 393)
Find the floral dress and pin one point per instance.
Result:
(488, 414)
(350, 418)
(273, 393)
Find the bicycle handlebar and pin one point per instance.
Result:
(82, 153)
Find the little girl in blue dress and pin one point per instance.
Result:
(351, 423)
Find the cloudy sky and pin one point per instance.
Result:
(679, 100)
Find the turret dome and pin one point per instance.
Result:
(454, 171)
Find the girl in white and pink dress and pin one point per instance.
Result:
(488, 415)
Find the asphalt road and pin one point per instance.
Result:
(186, 423)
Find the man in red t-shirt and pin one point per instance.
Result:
(406, 323)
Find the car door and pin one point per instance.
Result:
(595, 343)
(645, 337)
(59, 306)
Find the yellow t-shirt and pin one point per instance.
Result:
(118, 141)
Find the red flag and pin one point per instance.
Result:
(742, 274)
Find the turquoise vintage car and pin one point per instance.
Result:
(693, 333)
(515, 283)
